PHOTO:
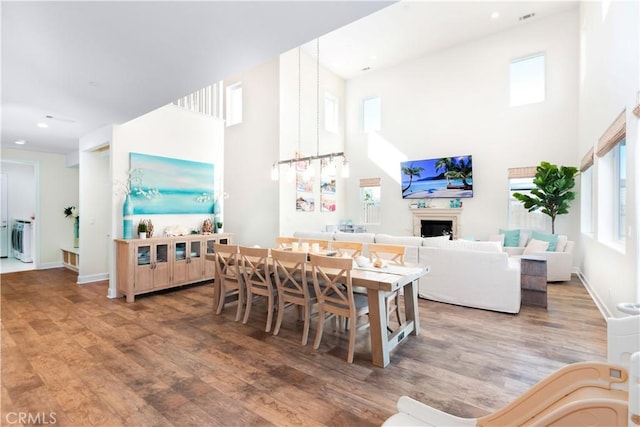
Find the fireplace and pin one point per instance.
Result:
(439, 219)
(434, 227)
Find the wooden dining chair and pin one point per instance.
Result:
(347, 249)
(228, 280)
(285, 242)
(393, 254)
(290, 271)
(336, 297)
(256, 270)
(324, 244)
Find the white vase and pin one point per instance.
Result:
(143, 235)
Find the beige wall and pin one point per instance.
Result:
(57, 189)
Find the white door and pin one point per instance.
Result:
(4, 223)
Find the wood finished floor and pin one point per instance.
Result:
(167, 359)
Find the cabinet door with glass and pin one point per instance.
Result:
(195, 264)
(209, 264)
(143, 272)
(181, 250)
(161, 265)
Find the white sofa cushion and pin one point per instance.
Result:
(399, 240)
(354, 237)
(561, 244)
(535, 246)
(435, 242)
(323, 235)
(468, 245)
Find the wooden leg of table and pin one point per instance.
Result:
(378, 328)
(411, 306)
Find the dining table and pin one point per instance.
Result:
(381, 282)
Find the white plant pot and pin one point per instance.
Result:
(143, 235)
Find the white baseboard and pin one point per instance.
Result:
(602, 307)
(82, 280)
(49, 265)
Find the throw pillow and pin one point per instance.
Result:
(562, 243)
(551, 238)
(535, 246)
(511, 237)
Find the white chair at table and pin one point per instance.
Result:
(290, 271)
(256, 270)
(336, 297)
(347, 249)
(285, 242)
(228, 280)
(322, 244)
(392, 254)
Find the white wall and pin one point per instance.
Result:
(95, 205)
(609, 83)
(21, 193)
(251, 211)
(456, 102)
(57, 188)
(169, 131)
(290, 220)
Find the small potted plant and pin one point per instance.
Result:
(142, 229)
(219, 227)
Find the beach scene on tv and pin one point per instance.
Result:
(446, 177)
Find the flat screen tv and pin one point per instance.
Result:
(445, 177)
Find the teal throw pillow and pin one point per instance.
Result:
(551, 238)
(511, 237)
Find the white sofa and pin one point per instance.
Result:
(470, 274)
(559, 261)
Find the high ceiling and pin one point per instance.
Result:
(90, 64)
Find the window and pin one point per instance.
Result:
(519, 217)
(521, 181)
(620, 184)
(370, 201)
(612, 183)
(527, 78)
(371, 114)
(586, 201)
(234, 104)
(331, 111)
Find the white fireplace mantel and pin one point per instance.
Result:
(436, 214)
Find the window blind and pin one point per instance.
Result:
(614, 134)
(525, 172)
(587, 161)
(370, 182)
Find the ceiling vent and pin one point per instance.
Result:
(527, 16)
(60, 119)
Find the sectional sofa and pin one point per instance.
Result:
(471, 274)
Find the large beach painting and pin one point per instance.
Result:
(162, 185)
(445, 177)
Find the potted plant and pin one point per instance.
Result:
(552, 194)
(219, 226)
(142, 229)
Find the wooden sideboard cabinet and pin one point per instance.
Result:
(147, 265)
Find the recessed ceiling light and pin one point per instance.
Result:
(42, 125)
(495, 15)
(21, 142)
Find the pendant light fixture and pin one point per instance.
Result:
(310, 169)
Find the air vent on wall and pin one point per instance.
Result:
(527, 16)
